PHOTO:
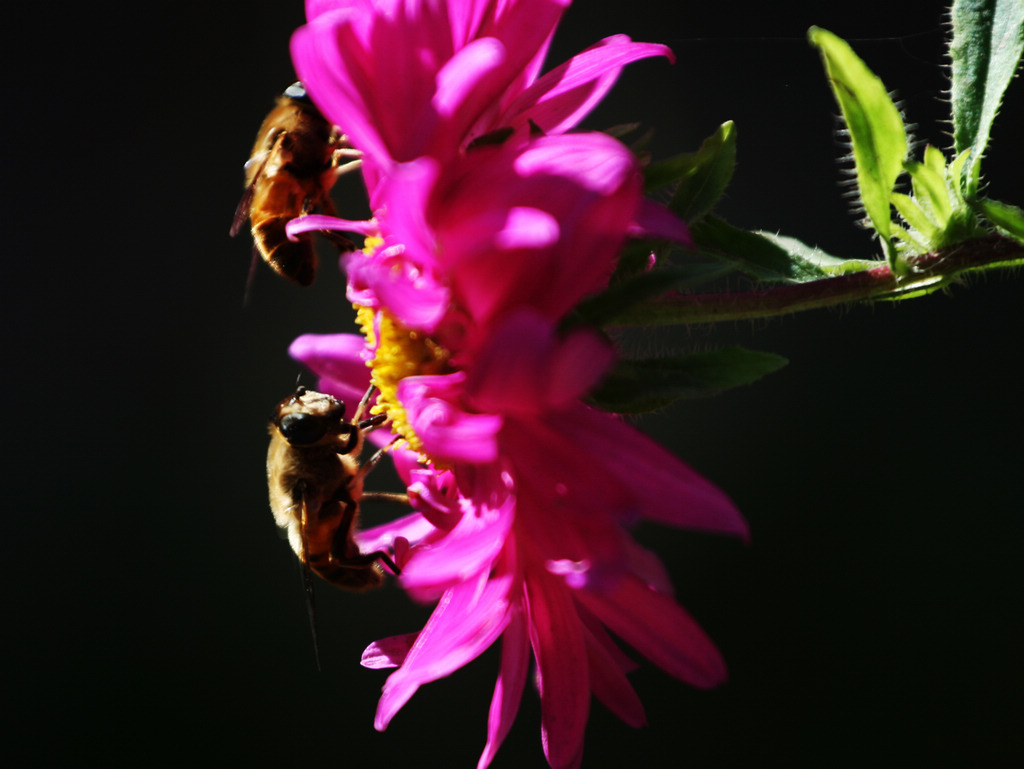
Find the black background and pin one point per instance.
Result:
(153, 617)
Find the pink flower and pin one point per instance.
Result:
(491, 224)
(529, 541)
(411, 78)
(538, 223)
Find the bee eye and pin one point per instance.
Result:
(297, 91)
(302, 429)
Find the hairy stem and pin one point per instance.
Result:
(926, 273)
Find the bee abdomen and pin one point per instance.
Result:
(294, 260)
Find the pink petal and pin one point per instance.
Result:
(660, 629)
(323, 53)
(449, 434)
(597, 633)
(569, 507)
(413, 527)
(338, 359)
(405, 195)
(557, 639)
(655, 221)
(462, 75)
(527, 369)
(466, 621)
(417, 297)
(469, 548)
(583, 358)
(508, 691)
(565, 95)
(670, 492)
(593, 161)
(318, 222)
(609, 684)
(315, 8)
(435, 496)
(388, 652)
(527, 228)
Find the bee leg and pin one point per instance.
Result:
(386, 496)
(374, 460)
(339, 241)
(366, 559)
(343, 151)
(363, 403)
(344, 550)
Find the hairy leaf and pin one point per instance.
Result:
(876, 129)
(753, 253)
(1003, 215)
(639, 386)
(988, 39)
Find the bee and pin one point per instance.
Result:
(294, 163)
(316, 486)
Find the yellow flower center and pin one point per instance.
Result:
(399, 353)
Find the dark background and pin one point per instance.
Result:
(153, 617)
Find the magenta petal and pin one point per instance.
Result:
(467, 620)
(412, 291)
(508, 691)
(597, 633)
(415, 296)
(656, 221)
(448, 433)
(610, 686)
(660, 629)
(462, 75)
(583, 358)
(559, 99)
(405, 195)
(557, 639)
(388, 652)
(413, 527)
(527, 228)
(592, 161)
(322, 52)
(469, 548)
(338, 359)
(527, 369)
(671, 491)
(318, 222)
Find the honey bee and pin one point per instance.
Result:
(294, 163)
(316, 486)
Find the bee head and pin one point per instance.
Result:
(308, 418)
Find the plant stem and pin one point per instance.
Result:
(927, 272)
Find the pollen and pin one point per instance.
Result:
(397, 354)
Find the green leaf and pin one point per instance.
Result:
(955, 176)
(935, 160)
(816, 258)
(753, 253)
(1003, 215)
(930, 190)
(916, 217)
(702, 176)
(639, 386)
(988, 39)
(876, 129)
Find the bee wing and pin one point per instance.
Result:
(307, 578)
(245, 204)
